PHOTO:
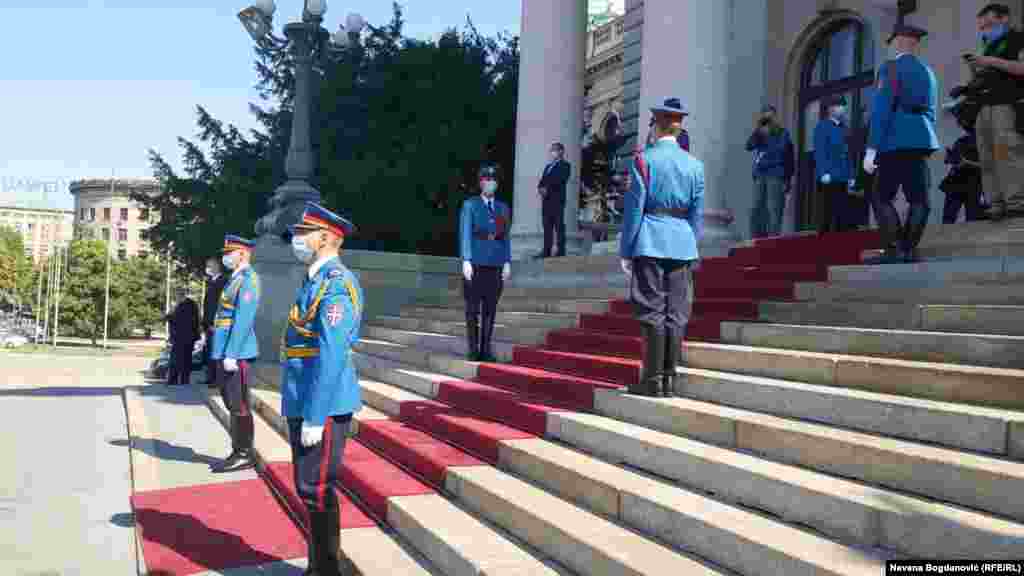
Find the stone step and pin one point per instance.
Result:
(505, 317)
(960, 270)
(952, 476)
(923, 293)
(370, 550)
(1008, 320)
(955, 348)
(654, 507)
(617, 357)
(502, 332)
(847, 510)
(961, 426)
(447, 343)
(452, 540)
(519, 304)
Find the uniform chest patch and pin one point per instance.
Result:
(333, 314)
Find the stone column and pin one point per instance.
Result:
(552, 52)
(710, 55)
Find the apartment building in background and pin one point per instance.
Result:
(42, 230)
(104, 210)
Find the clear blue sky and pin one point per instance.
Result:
(87, 86)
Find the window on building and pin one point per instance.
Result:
(124, 213)
(31, 226)
(122, 235)
(144, 214)
(122, 254)
(106, 214)
(92, 214)
(106, 234)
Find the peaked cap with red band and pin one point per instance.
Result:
(317, 217)
(232, 243)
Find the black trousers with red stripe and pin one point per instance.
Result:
(235, 393)
(316, 468)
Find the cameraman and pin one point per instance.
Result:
(999, 125)
(774, 165)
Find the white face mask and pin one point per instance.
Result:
(489, 187)
(302, 252)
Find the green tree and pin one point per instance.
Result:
(12, 263)
(143, 293)
(83, 293)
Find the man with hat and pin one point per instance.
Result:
(832, 166)
(774, 165)
(662, 223)
(319, 383)
(902, 137)
(486, 252)
(234, 344)
(684, 137)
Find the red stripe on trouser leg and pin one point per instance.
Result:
(325, 462)
(243, 378)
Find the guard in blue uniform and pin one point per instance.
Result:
(486, 252)
(319, 383)
(662, 224)
(832, 167)
(902, 138)
(234, 345)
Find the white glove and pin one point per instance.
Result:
(506, 271)
(311, 435)
(826, 179)
(467, 270)
(869, 161)
(230, 365)
(627, 266)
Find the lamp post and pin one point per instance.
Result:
(309, 45)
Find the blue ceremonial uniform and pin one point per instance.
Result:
(831, 150)
(318, 376)
(903, 113)
(319, 382)
(903, 135)
(674, 180)
(234, 323)
(234, 341)
(483, 237)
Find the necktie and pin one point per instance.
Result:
(490, 207)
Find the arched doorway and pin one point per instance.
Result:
(839, 61)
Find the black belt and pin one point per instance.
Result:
(915, 110)
(487, 236)
(673, 212)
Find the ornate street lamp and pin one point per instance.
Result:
(312, 48)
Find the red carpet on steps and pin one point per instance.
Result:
(195, 529)
(281, 476)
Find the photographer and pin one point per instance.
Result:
(962, 185)
(999, 124)
(774, 165)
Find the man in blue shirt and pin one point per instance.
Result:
(832, 166)
(234, 345)
(774, 164)
(486, 252)
(319, 383)
(662, 223)
(902, 138)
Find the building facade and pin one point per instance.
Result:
(104, 210)
(42, 230)
(725, 59)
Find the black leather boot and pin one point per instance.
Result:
(472, 338)
(892, 234)
(917, 220)
(239, 457)
(654, 361)
(673, 350)
(486, 331)
(331, 557)
(316, 544)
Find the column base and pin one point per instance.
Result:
(280, 275)
(527, 245)
(719, 233)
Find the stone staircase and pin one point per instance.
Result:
(829, 416)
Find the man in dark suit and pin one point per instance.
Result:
(552, 190)
(184, 333)
(215, 281)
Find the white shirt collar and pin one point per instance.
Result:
(667, 138)
(319, 264)
(900, 55)
(488, 201)
(239, 269)
(835, 121)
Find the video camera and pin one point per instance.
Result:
(988, 87)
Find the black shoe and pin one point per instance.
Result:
(472, 339)
(486, 332)
(911, 256)
(237, 460)
(888, 256)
